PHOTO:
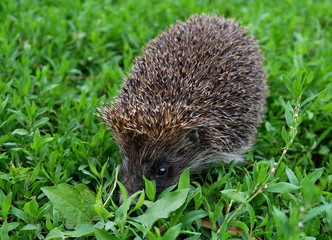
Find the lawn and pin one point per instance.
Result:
(60, 60)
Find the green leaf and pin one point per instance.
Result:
(34, 207)
(150, 188)
(49, 224)
(291, 176)
(263, 223)
(52, 160)
(94, 170)
(20, 131)
(4, 231)
(284, 134)
(102, 234)
(28, 106)
(282, 187)
(34, 174)
(163, 207)
(184, 181)
(309, 99)
(241, 225)
(73, 202)
(193, 216)
(234, 195)
(103, 170)
(55, 233)
(81, 230)
(289, 118)
(252, 216)
(36, 141)
(217, 211)
(20, 214)
(173, 232)
(3, 103)
(262, 176)
(101, 211)
(29, 227)
(124, 193)
(283, 103)
(140, 201)
(312, 213)
(6, 205)
(289, 86)
(281, 220)
(11, 226)
(41, 122)
(315, 175)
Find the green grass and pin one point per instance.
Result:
(60, 59)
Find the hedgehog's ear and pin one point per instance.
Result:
(193, 136)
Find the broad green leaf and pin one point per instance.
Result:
(11, 226)
(252, 216)
(289, 85)
(36, 141)
(173, 232)
(163, 207)
(289, 118)
(316, 211)
(34, 207)
(55, 233)
(101, 211)
(291, 176)
(309, 99)
(102, 234)
(184, 181)
(94, 170)
(217, 210)
(227, 235)
(193, 216)
(49, 224)
(72, 201)
(283, 103)
(3, 103)
(103, 170)
(282, 187)
(28, 106)
(20, 131)
(265, 220)
(281, 220)
(124, 193)
(4, 231)
(262, 176)
(315, 175)
(6, 205)
(284, 134)
(20, 214)
(150, 188)
(41, 122)
(29, 227)
(241, 225)
(34, 174)
(234, 195)
(52, 160)
(81, 230)
(140, 201)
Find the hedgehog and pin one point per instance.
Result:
(195, 97)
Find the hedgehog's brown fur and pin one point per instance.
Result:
(196, 96)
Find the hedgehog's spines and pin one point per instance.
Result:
(205, 74)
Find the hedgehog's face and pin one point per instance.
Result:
(164, 165)
(163, 171)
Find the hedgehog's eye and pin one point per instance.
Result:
(161, 172)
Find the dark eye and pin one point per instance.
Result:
(162, 171)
